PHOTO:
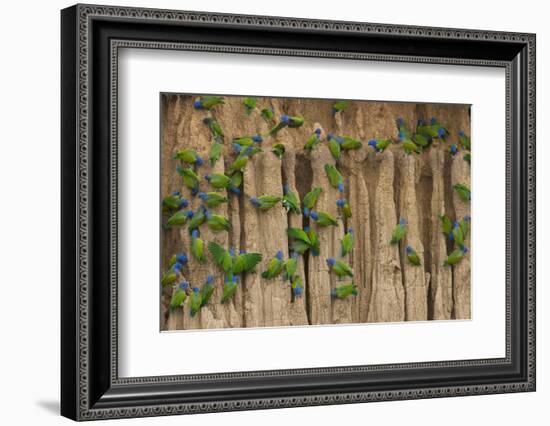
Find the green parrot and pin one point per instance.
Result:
(245, 262)
(178, 296)
(339, 106)
(264, 202)
(334, 177)
(348, 143)
(402, 130)
(344, 206)
(247, 140)
(334, 146)
(207, 290)
(249, 105)
(399, 231)
(278, 149)
(323, 219)
(297, 287)
(379, 145)
(464, 140)
(235, 182)
(465, 225)
(446, 225)
(195, 301)
(347, 242)
(267, 114)
(287, 121)
(169, 277)
(178, 219)
(173, 202)
(217, 222)
(412, 256)
(409, 146)
(190, 178)
(197, 246)
(456, 256)
(428, 131)
(239, 164)
(290, 201)
(221, 256)
(189, 156)
(310, 200)
(229, 287)
(421, 140)
(315, 243)
(212, 199)
(463, 191)
(215, 153)
(442, 132)
(339, 267)
(275, 266)
(208, 102)
(290, 266)
(298, 234)
(197, 219)
(214, 127)
(458, 236)
(343, 291)
(313, 140)
(468, 158)
(299, 246)
(218, 180)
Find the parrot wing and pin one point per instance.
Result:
(221, 256)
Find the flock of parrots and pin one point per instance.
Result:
(234, 265)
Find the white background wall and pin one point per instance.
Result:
(29, 211)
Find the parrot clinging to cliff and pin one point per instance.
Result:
(247, 140)
(212, 199)
(217, 222)
(218, 180)
(290, 201)
(339, 267)
(343, 204)
(178, 296)
(229, 287)
(296, 286)
(214, 128)
(343, 291)
(208, 102)
(464, 140)
(399, 231)
(190, 178)
(290, 266)
(412, 256)
(267, 114)
(189, 156)
(334, 146)
(347, 242)
(231, 263)
(195, 301)
(173, 202)
(287, 121)
(453, 149)
(215, 153)
(408, 145)
(197, 219)
(348, 143)
(278, 149)
(275, 266)
(197, 246)
(313, 140)
(463, 191)
(465, 225)
(249, 105)
(402, 129)
(334, 177)
(456, 256)
(179, 218)
(315, 246)
(323, 219)
(379, 144)
(300, 241)
(310, 200)
(339, 106)
(446, 224)
(458, 236)
(264, 202)
(207, 289)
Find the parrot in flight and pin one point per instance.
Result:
(245, 262)
(343, 204)
(197, 219)
(412, 256)
(215, 153)
(456, 256)
(178, 296)
(212, 199)
(348, 143)
(463, 191)
(310, 200)
(446, 225)
(197, 246)
(347, 242)
(379, 144)
(249, 105)
(339, 106)
(207, 289)
(290, 266)
(340, 268)
(323, 219)
(278, 149)
(296, 286)
(334, 177)
(208, 102)
(179, 218)
(217, 222)
(458, 236)
(264, 202)
(399, 231)
(190, 178)
(343, 291)
(189, 156)
(229, 287)
(464, 140)
(290, 201)
(313, 140)
(195, 301)
(228, 262)
(287, 121)
(334, 146)
(275, 266)
(214, 128)
(173, 202)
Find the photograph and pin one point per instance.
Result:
(278, 211)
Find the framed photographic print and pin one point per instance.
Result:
(265, 212)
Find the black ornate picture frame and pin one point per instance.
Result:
(91, 386)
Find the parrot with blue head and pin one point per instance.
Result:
(421, 140)
(249, 105)
(315, 246)
(339, 267)
(207, 289)
(334, 146)
(214, 127)
(188, 156)
(179, 218)
(197, 219)
(464, 140)
(412, 256)
(453, 149)
(334, 176)
(195, 301)
(287, 121)
(218, 180)
(290, 201)
(402, 129)
(208, 102)
(310, 200)
(264, 202)
(174, 202)
(323, 219)
(229, 287)
(399, 231)
(343, 291)
(290, 266)
(197, 246)
(297, 286)
(313, 140)
(458, 236)
(245, 262)
(465, 225)
(178, 296)
(379, 144)
(212, 199)
(456, 256)
(343, 204)
(339, 107)
(275, 266)
(347, 242)
(408, 145)
(446, 224)
(217, 222)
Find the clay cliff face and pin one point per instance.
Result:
(381, 189)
